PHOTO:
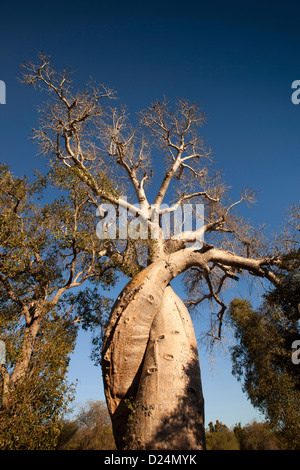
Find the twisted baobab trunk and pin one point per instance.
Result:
(150, 367)
(150, 364)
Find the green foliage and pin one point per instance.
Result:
(93, 310)
(257, 436)
(45, 250)
(253, 436)
(90, 430)
(262, 354)
(31, 420)
(219, 437)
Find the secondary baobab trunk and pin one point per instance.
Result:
(169, 400)
(151, 369)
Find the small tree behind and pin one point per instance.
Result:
(257, 436)
(31, 418)
(91, 429)
(219, 437)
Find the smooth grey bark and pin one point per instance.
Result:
(150, 367)
(169, 405)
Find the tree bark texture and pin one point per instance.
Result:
(22, 363)
(151, 368)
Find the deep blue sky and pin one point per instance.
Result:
(237, 58)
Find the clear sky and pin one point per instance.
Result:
(237, 58)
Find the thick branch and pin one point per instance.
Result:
(167, 179)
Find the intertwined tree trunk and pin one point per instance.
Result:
(150, 364)
(151, 368)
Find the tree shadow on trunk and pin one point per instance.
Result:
(183, 427)
(169, 407)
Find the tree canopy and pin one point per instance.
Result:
(95, 138)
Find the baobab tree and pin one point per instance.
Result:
(150, 361)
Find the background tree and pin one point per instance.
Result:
(31, 418)
(257, 436)
(219, 437)
(43, 254)
(262, 357)
(149, 357)
(90, 430)
(252, 436)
